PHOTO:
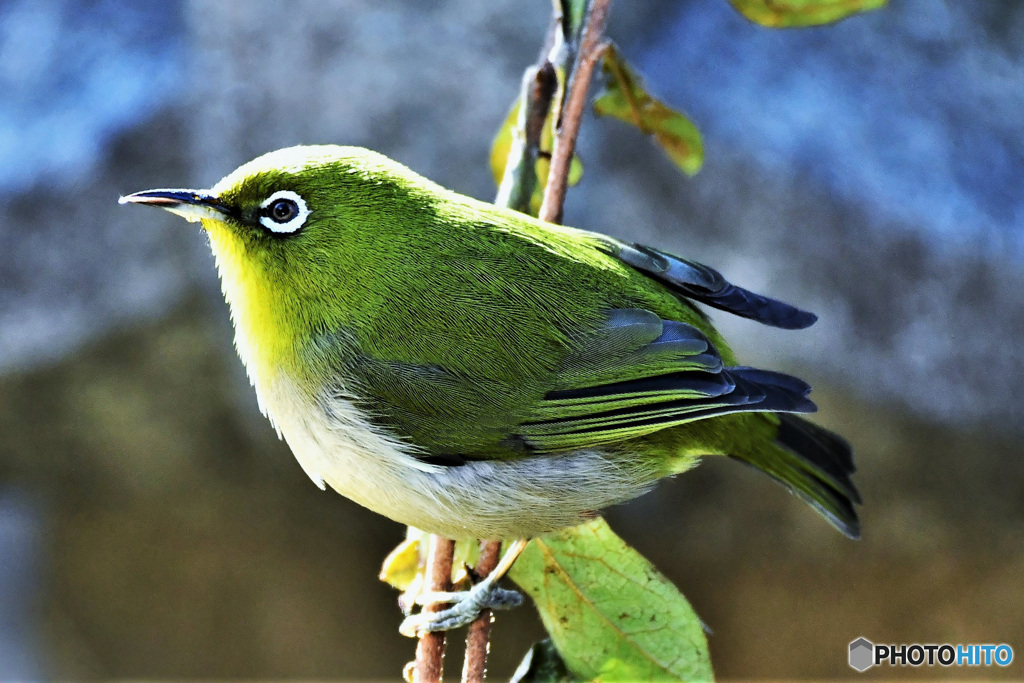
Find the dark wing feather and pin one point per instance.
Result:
(675, 378)
(706, 285)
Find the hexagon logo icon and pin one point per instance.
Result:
(862, 654)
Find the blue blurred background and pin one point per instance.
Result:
(151, 525)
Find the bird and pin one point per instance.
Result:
(472, 371)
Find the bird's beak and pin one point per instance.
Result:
(192, 205)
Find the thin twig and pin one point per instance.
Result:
(539, 85)
(515, 190)
(592, 46)
(478, 637)
(429, 666)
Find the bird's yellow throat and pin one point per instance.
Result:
(265, 343)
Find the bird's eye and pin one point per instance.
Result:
(283, 212)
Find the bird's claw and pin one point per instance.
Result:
(466, 606)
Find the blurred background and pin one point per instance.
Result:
(151, 524)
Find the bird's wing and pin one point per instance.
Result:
(701, 283)
(638, 374)
(633, 375)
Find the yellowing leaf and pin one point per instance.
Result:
(405, 566)
(466, 554)
(575, 170)
(402, 564)
(503, 143)
(796, 13)
(501, 148)
(625, 98)
(609, 612)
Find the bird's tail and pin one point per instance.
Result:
(815, 465)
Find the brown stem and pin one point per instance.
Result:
(539, 87)
(478, 637)
(429, 666)
(592, 46)
(537, 93)
(537, 99)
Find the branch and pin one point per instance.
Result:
(538, 89)
(478, 639)
(429, 665)
(539, 85)
(592, 46)
(516, 188)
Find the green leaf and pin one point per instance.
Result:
(625, 98)
(609, 612)
(796, 13)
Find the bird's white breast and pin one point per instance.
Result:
(336, 444)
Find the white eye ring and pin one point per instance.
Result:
(275, 215)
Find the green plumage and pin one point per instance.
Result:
(473, 333)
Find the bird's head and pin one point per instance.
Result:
(294, 233)
(294, 198)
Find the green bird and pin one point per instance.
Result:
(471, 371)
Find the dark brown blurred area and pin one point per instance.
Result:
(153, 526)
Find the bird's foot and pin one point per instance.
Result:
(466, 606)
